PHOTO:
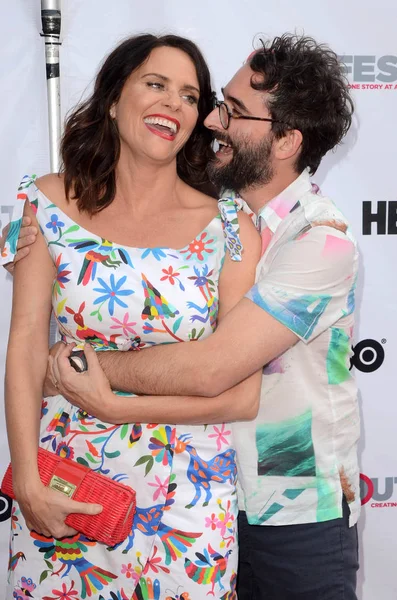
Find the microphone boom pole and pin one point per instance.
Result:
(51, 23)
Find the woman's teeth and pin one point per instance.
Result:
(162, 122)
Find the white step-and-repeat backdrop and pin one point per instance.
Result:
(360, 177)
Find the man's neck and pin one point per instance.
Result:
(257, 197)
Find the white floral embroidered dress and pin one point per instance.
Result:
(183, 539)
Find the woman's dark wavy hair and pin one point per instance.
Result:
(308, 91)
(90, 146)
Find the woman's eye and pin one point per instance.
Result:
(155, 85)
(191, 99)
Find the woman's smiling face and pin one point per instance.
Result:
(158, 107)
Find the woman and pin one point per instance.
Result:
(129, 153)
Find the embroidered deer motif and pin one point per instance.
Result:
(221, 468)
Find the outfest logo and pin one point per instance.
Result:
(368, 355)
(370, 72)
(5, 507)
(380, 492)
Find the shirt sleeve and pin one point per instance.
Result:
(310, 283)
(25, 192)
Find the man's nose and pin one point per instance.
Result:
(212, 120)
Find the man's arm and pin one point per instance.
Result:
(246, 340)
(306, 290)
(91, 390)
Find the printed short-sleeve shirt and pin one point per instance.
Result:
(294, 457)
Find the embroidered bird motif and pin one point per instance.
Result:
(14, 560)
(70, 553)
(98, 253)
(204, 571)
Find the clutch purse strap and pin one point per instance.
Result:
(67, 477)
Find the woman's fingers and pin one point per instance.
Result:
(91, 356)
(62, 366)
(49, 518)
(53, 374)
(69, 532)
(49, 387)
(85, 508)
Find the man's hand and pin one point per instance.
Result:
(89, 390)
(27, 237)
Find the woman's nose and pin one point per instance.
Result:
(173, 100)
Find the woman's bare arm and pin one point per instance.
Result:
(44, 509)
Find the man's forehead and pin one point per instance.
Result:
(240, 80)
(240, 85)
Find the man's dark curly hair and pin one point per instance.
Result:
(308, 91)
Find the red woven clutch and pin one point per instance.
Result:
(82, 484)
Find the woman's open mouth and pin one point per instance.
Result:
(162, 126)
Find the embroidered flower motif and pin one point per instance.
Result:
(170, 274)
(130, 572)
(148, 328)
(225, 522)
(44, 408)
(162, 488)
(225, 518)
(220, 436)
(171, 491)
(61, 277)
(153, 563)
(54, 223)
(157, 253)
(162, 444)
(64, 593)
(200, 247)
(125, 325)
(211, 521)
(14, 519)
(112, 292)
(64, 451)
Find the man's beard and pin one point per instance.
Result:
(250, 166)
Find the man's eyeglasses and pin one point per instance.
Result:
(225, 114)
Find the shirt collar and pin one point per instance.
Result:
(274, 212)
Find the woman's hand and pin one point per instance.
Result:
(89, 390)
(27, 237)
(45, 511)
(49, 387)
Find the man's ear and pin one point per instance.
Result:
(289, 145)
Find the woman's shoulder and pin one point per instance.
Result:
(52, 186)
(194, 197)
